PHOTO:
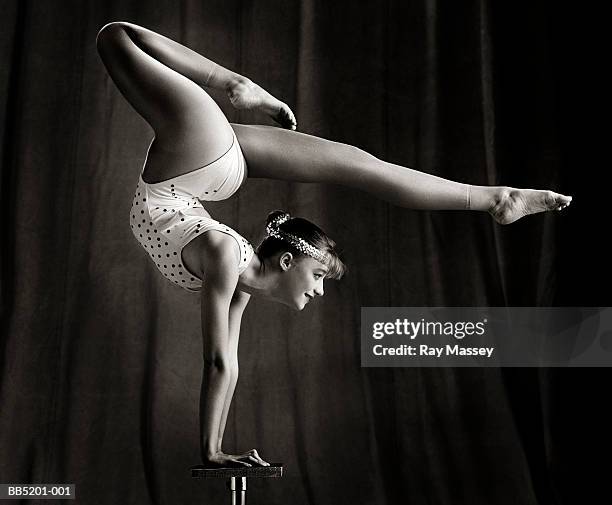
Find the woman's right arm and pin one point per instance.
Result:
(221, 277)
(221, 313)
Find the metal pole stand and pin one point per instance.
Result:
(237, 477)
(231, 484)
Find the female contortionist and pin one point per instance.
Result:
(197, 156)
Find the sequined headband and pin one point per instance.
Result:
(273, 230)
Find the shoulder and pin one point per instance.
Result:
(218, 250)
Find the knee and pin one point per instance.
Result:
(111, 34)
(351, 159)
(352, 153)
(108, 31)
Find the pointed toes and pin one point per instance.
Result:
(556, 201)
(563, 201)
(286, 118)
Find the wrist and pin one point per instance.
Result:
(217, 77)
(209, 449)
(209, 454)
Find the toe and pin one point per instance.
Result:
(563, 200)
(551, 200)
(286, 118)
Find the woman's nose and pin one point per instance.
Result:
(319, 290)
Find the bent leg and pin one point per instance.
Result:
(190, 129)
(280, 154)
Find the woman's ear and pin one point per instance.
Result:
(286, 261)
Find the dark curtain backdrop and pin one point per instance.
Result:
(101, 357)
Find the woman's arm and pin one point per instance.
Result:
(237, 306)
(220, 280)
(221, 313)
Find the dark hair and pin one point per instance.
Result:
(311, 233)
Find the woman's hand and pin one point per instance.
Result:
(247, 459)
(245, 94)
(252, 457)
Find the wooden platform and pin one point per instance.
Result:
(200, 472)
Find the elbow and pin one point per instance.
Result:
(221, 364)
(217, 362)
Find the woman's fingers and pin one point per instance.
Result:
(251, 456)
(258, 459)
(222, 460)
(254, 457)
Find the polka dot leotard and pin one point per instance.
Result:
(166, 216)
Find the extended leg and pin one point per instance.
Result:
(280, 154)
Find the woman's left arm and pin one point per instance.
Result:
(237, 306)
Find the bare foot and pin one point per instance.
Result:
(247, 95)
(511, 204)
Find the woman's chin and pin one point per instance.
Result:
(293, 304)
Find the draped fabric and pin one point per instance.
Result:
(101, 357)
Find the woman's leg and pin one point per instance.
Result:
(274, 153)
(161, 79)
(147, 68)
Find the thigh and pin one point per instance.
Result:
(276, 153)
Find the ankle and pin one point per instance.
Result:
(236, 81)
(484, 198)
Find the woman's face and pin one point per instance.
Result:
(301, 281)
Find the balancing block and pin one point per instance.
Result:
(232, 474)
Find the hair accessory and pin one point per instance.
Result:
(273, 230)
(276, 222)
